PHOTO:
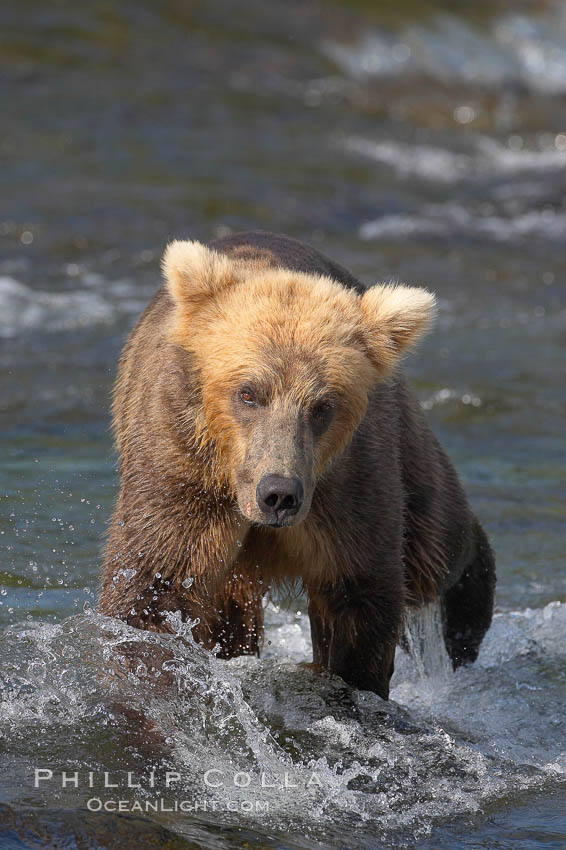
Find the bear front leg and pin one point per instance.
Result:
(355, 629)
(169, 557)
(228, 618)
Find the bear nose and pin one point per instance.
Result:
(280, 496)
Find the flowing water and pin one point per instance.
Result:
(413, 141)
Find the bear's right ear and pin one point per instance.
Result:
(194, 273)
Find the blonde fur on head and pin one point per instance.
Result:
(390, 317)
(194, 273)
(396, 316)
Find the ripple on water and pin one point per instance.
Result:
(23, 308)
(514, 49)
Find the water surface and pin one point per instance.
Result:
(419, 142)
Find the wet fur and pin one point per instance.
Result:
(389, 526)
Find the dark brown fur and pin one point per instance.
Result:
(389, 526)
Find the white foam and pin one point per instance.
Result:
(493, 701)
(445, 745)
(94, 301)
(450, 219)
(515, 49)
(427, 162)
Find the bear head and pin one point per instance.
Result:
(286, 363)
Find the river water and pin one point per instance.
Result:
(419, 142)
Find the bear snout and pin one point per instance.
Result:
(279, 497)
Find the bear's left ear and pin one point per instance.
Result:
(194, 273)
(395, 317)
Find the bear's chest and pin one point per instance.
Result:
(308, 552)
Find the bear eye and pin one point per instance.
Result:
(322, 410)
(248, 397)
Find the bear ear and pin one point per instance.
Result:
(194, 273)
(395, 317)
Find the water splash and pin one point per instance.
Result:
(446, 745)
(425, 643)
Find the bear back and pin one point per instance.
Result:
(284, 252)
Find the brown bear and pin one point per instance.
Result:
(266, 434)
